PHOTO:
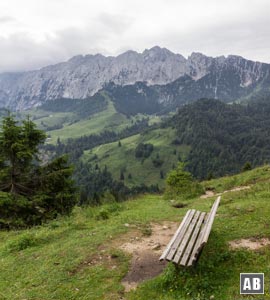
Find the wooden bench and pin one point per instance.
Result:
(189, 239)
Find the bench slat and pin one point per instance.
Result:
(186, 238)
(210, 220)
(192, 241)
(180, 236)
(198, 246)
(168, 248)
(204, 234)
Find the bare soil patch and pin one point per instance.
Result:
(251, 244)
(145, 251)
(208, 194)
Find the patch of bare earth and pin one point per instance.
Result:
(210, 193)
(251, 244)
(145, 251)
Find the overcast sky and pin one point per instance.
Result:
(35, 33)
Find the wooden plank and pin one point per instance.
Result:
(198, 244)
(210, 220)
(192, 241)
(186, 238)
(180, 236)
(168, 248)
(204, 234)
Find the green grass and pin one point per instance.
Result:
(142, 170)
(54, 261)
(74, 127)
(242, 179)
(243, 214)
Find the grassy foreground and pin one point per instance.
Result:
(55, 261)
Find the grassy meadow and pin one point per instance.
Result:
(123, 158)
(68, 258)
(73, 126)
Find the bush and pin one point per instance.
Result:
(22, 242)
(247, 167)
(103, 214)
(180, 184)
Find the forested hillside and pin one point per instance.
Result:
(210, 137)
(223, 137)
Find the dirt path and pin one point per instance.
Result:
(209, 194)
(145, 252)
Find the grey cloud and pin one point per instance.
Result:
(248, 38)
(21, 52)
(116, 23)
(88, 40)
(7, 19)
(241, 32)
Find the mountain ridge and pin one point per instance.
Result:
(83, 76)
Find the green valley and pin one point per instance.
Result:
(212, 138)
(72, 118)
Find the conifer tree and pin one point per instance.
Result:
(29, 192)
(18, 150)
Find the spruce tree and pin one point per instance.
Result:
(18, 150)
(29, 192)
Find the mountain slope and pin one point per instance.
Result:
(82, 76)
(82, 256)
(213, 138)
(138, 170)
(224, 137)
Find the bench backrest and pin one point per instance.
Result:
(205, 232)
(190, 237)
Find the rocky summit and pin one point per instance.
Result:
(227, 78)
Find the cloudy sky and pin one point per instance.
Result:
(35, 33)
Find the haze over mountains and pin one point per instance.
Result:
(166, 79)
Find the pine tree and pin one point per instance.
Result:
(18, 150)
(30, 193)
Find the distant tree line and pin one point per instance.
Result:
(134, 99)
(96, 185)
(82, 107)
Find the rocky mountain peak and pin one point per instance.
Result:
(84, 75)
